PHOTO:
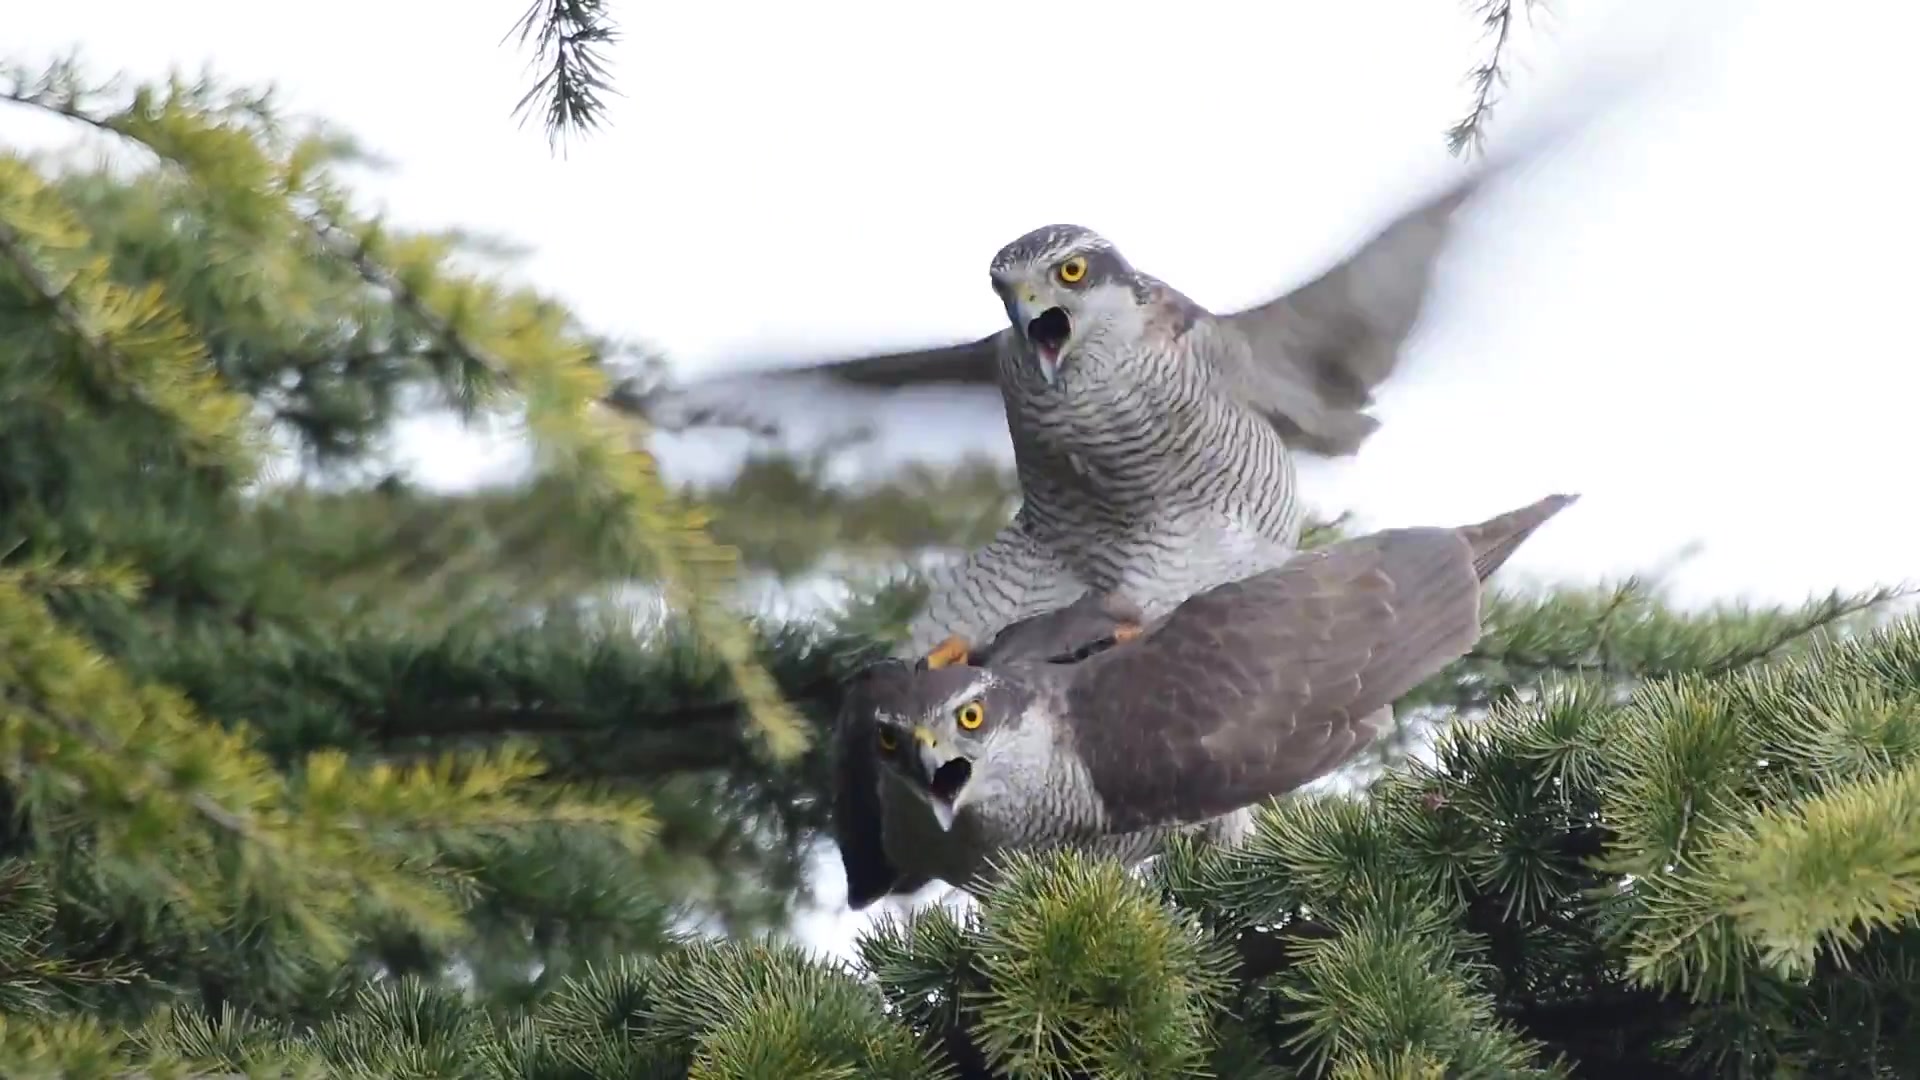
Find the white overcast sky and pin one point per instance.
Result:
(1699, 317)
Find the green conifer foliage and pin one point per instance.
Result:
(168, 318)
(355, 780)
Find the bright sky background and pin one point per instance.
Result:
(1699, 316)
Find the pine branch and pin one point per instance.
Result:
(138, 348)
(571, 35)
(32, 982)
(1469, 133)
(1825, 874)
(164, 765)
(1469, 918)
(1627, 633)
(220, 868)
(169, 781)
(562, 387)
(784, 514)
(519, 338)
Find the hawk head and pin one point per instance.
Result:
(1065, 284)
(955, 736)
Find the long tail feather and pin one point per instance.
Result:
(1494, 540)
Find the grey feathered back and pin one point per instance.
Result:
(1258, 686)
(1246, 690)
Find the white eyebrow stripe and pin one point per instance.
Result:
(973, 690)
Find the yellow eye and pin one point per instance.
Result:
(970, 716)
(884, 736)
(1072, 270)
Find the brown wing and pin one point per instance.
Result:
(1312, 358)
(1256, 687)
(856, 786)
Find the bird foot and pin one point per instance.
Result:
(954, 650)
(1121, 633)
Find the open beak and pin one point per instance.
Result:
(943, 774)
(1045, 328)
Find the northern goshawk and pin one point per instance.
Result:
(1151, 437)
(1084, 728)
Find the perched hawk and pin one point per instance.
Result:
(1151, 438)
(1103, 734)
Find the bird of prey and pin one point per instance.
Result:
(1153, 440)
(1151, 437)
(1105, 734)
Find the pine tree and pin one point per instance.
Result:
(345, 778)
(222, 741)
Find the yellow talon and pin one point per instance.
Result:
(1127, 631)
(954, 650)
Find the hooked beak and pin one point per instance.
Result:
(943, 774)
(1046, 329)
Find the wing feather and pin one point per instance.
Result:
(1309, 360)
(1256, 687)
(737, 399)
(971, 363)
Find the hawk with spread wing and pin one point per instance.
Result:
(1151, 437)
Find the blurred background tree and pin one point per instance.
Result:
(306, 763)
(206, 349)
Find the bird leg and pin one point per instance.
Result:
(1119, 635)
(954, 650)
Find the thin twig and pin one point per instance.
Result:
(1469, 133)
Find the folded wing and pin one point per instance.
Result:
(1254, 688)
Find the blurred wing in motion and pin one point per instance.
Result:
(1310, 359)
(750, 399)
